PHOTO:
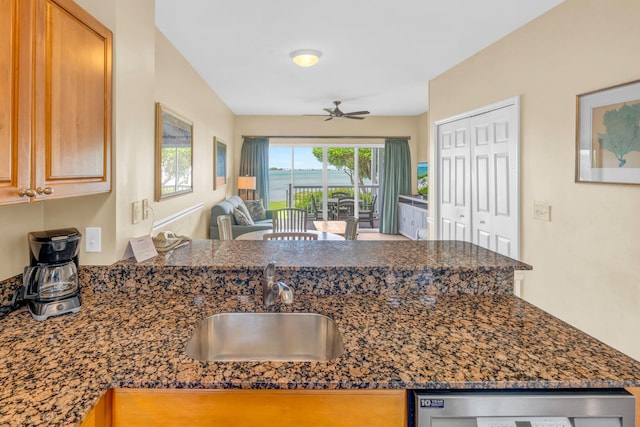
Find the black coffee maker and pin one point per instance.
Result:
(50, 282)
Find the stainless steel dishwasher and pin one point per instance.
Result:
(571, 408)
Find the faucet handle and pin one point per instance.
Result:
(285, 293)
(270, 270)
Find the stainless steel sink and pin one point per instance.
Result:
(290, 337)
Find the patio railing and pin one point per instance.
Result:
(299, 196)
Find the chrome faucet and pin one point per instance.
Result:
(271, 288)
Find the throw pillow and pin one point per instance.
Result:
(256, 210)
(244, 210)
(241, 217)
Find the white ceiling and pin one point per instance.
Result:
(377, 55)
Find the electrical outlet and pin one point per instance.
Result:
(135, 212)
(92, 239)
(145, 209)
(542, 211)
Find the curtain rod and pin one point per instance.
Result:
(326, 137)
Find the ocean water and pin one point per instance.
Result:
(279, 180)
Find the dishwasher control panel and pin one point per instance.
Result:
(524, 422)
(523, 408)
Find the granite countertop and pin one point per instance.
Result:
(432, 254)
(134, 335)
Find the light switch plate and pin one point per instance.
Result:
(542, 211)
(92, 239)
(145, 209)
(135, 212)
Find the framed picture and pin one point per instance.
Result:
(219, 163)
(608, 135)
(174, 154)
(423, 178)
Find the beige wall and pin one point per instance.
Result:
(146, 69)
(181, 89)
(316, 126)
(585, 259)
(422, 154)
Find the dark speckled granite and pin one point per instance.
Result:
(136, 319)
(320, 268)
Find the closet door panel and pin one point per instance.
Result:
(453, 180)
(482, 180)
(505, 219)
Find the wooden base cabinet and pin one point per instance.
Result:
(55, 128)
(283, 408)
(100, 415)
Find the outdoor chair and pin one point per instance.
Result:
(344, 208)
(317, 209)
(290, 236)
(289, 220)
(351, 229)
(337, 194)
(224, 227)
(366, 215)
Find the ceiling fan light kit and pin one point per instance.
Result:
(305, 57)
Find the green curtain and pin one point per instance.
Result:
(254, 161)
(396, 180)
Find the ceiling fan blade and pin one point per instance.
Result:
(328, 118)
(328, 110)
(356, 112)
(353, 117)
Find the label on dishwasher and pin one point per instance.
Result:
(524, 422)
(431, 403)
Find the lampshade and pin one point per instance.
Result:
(246, 183)
(305, 57)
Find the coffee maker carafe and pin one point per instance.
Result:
(50, 282)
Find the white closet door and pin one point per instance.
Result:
(478, 178)
(494, 175)
(455, 192)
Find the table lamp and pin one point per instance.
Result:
(246, 183)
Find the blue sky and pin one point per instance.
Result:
(280, 157)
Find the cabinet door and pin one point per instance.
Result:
(72, 101)
(14, 150)
(454, 181)
(404, 219)
(283, 408)
(419, 221)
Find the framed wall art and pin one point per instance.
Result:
(608, 135)
(219, 163)
(423, 178)
(174, 154)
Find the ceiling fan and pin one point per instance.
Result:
(336, 113)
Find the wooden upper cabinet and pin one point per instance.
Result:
(15, 99)
(72, 98)
(57, 139)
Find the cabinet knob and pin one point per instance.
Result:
(28, 192)
(45, 190)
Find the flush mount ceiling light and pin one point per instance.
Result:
(305, 57)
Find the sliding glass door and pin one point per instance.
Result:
(314, 177)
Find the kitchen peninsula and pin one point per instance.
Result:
(413, 315)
